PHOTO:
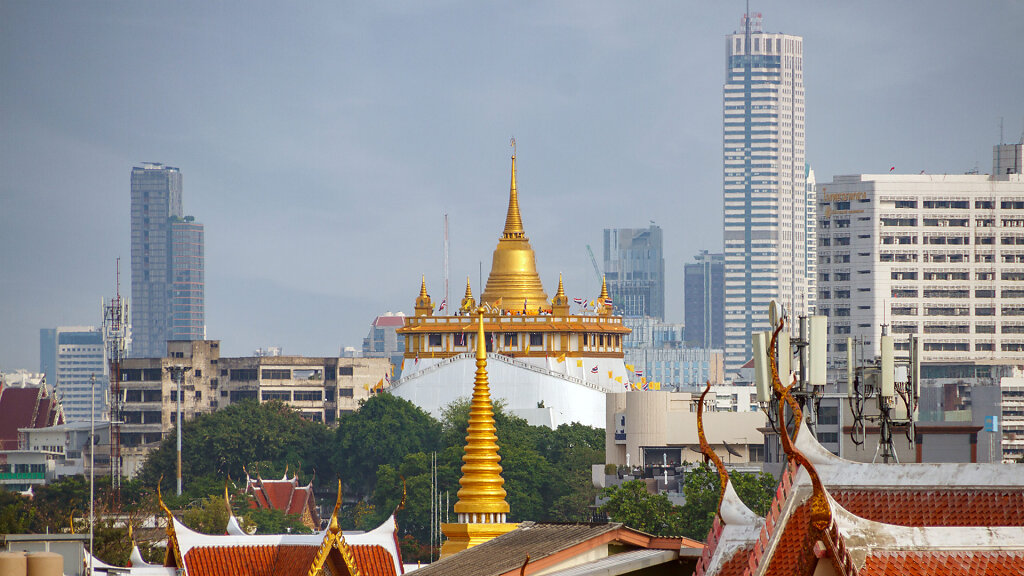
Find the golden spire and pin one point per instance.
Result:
(560, 303)
(513, 221)
(513, 274)
(424, 307)
(468, 303)
(481, 498)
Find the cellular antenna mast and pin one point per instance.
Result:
(446, 259)
(115, 335)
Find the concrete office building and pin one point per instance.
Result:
(71, 356)
(634, 268)
(167, 263)
(937, 255)
(704, 301)
(320, 388)
(765, 192)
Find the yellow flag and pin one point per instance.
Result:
(629, 367)
(579, 363)
(655, 386)
(610, 375)
(561, 357)
(617, 378)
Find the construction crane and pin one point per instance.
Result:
(597, 269)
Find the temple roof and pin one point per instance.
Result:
(285, 495)
(26, 407)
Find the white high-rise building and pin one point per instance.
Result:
(71, 356)
(766, 230)
(937, 255)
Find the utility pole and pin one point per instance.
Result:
(178, 375)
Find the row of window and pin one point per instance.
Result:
(954, 293)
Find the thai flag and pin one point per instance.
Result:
(626, 384)
(444, 303)
(639, 373)
(607, 301)
(580, 301)
(593, 370)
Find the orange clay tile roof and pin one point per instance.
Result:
(737, 564)
(973, 563)
(277, 560)
(790, 549)
(934, 507)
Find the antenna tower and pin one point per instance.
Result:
(115, 335)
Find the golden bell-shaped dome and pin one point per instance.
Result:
(513, 278)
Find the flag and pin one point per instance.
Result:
(497, 304)
(593, 370)
(444, 303)
(639, 373)
(607, 301)
(610, 375)
(387, 378)
(618, 379)
(630, 367)
(524, 305)
(626, 385)
(579, 363)
(891, 169)
(561, 358)
(644, 385)
(580, 301)
(655, 385)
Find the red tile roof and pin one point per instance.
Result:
(973, 563)
(280, 560)
(28, 407)
(791, 547)
(934, 507)
(736, 565)
(284, 495)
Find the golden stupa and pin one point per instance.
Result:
(481, 506)
(513, 282)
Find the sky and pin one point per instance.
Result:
(322, 143)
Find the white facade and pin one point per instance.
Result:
(1011, 423)
(546, 393)
(72, 356)
(765, 228)
(941, 256)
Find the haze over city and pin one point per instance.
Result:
(321, 146)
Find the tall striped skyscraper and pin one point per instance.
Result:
(766, 229)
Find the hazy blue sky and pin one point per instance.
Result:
(322, 143)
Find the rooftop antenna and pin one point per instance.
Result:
(116, 322)
(446, 259)
(1001, 140)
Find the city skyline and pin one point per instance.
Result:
(308, 135)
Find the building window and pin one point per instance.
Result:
(536, 339)
(276, 374)
(308, 396)
(345, 371)
(511, 339)
(345, 392)
(434, 340)
(282, 395)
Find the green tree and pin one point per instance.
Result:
(271, 521)
(16, 513)
(702, 489)
(222, 443)
(631, 504)
(383, 431)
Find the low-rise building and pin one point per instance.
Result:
(320, 388)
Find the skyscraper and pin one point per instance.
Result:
(704, 301)
(635, 271)
(167, 263)
(70, 356)
(764, 179)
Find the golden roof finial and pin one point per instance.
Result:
(334, 527)
(173, 553)
(560, 303)
(424, 307)
(481, 492)
(605, 308)
(709, 452)
(468, 303)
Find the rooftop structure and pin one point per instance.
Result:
(539, 351)
(26, 407)
(285, 495)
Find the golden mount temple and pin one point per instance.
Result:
(551, 361)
